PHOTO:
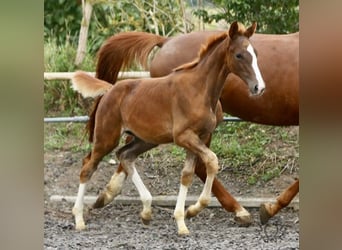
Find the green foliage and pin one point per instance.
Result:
(58, 95)
(272, 16)
(62, 19)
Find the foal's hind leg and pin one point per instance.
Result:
(112, 189)
(127, 155)
(90, 164)
(114, 186)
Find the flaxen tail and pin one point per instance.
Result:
(122, 50)
(90, 86)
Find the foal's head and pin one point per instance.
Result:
(241, 57)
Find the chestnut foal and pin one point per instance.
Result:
(179, 108)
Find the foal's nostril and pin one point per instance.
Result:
(256, 88)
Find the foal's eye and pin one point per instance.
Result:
(239, 56)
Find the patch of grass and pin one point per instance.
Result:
(239, 143)
(65, 136)
(252, 153)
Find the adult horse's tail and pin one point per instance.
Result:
(121, 50)
(117, 53)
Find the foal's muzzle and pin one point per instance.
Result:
(257, 89)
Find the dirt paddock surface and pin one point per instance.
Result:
(118, 226)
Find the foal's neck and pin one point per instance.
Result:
(214, 70)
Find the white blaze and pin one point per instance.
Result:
(261, 83)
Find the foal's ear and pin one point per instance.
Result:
(233, 29)
(250, 31)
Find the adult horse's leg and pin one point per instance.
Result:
(268, 210)
(228, 202)
(127, 155)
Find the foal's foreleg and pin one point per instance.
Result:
(191, 141)
(186, 180)
(204, 199)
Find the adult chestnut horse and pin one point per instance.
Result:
(179, 108)
(278, 57)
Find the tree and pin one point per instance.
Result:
(62, 19)
(273, 16)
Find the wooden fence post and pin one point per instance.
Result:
(82, 41)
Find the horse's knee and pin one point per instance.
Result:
(187, 177)
(212, 165)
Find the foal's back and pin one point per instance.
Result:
(154, 108)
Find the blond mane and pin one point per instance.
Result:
(211, 42)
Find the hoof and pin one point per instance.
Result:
(264, 213)
(103, 200)
(100, 202)
(146, 218)
(183, 232)
(146, 222)
(189, 214)
(244, 220)
(80, 226)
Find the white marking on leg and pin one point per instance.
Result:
(145, 195)
(179, 210)
(204, 199)
(78, 207)
(115, 184)
(261, 83)
(213, 163)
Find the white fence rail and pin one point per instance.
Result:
(68, 75)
